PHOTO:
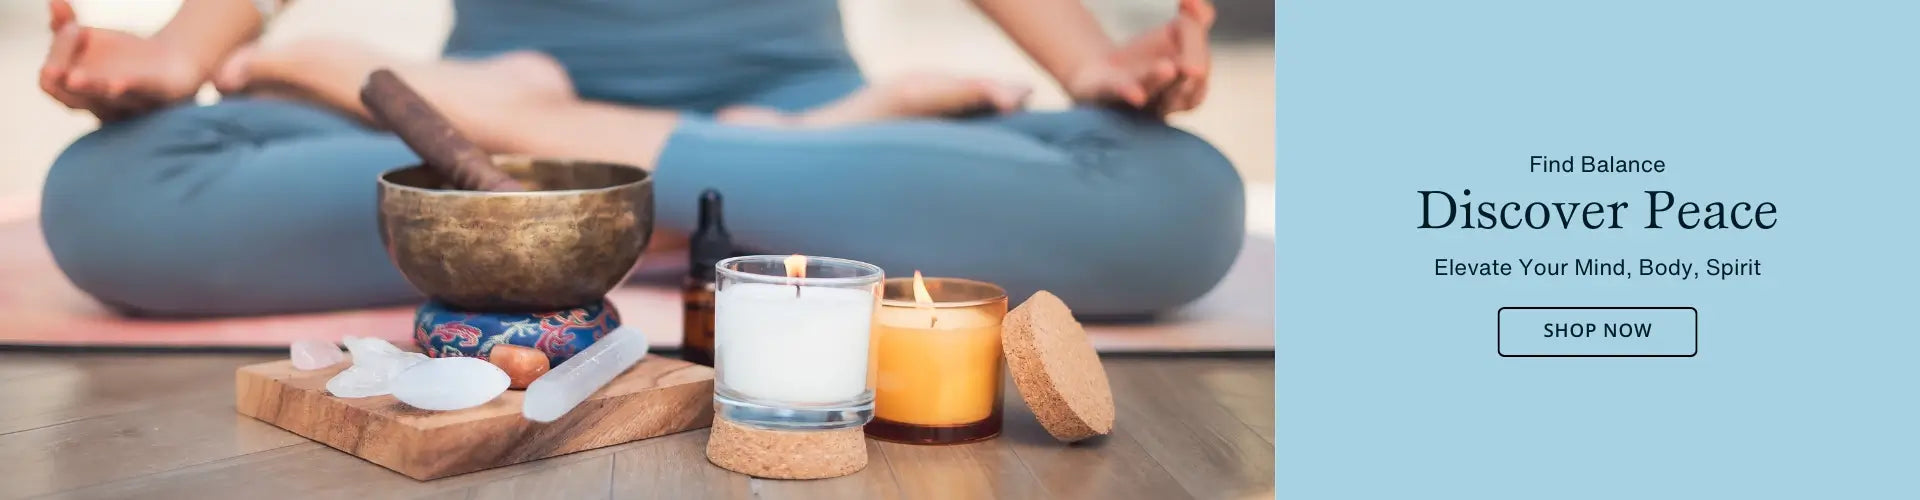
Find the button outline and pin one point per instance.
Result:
(1497, 334)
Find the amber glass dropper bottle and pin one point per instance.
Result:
(710, 245)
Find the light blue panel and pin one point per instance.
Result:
(1805, 382)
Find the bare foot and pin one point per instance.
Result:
(919, 95)
(479, 96)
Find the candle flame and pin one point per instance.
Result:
(924, 299)
(920, 294)
(797, 266)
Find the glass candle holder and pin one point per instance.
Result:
(792, 340)
(939, 361)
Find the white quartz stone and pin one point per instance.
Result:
(446, 384)
(375, 364)
(314, 354)
(369, 346)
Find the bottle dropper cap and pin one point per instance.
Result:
(711, 243)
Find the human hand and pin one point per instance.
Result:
(114, 74)
(1162, 71)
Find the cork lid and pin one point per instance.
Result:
(1057, 370)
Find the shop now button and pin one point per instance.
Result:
(1598, 332)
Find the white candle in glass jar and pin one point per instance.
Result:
(775, 345)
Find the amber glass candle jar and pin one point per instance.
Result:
(937, 342)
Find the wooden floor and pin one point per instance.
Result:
(163, 426)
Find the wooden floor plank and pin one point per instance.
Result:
(1209, 450)
(75, 387)
(214, 480)
(163, 426)
(987, 469)
(1110, 467)
(587, 479)
(673, 467)
(876, 481)
(105, 449)
(1244, 388)
(312, 470)
(20, 364)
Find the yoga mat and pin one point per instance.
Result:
(44, 309)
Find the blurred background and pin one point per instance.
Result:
(888, 37)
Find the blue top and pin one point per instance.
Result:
(662, 53)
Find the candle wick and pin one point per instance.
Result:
(796, 290)
(935, 321)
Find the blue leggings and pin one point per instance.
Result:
(265, 206)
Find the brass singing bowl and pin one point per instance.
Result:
(569, 239)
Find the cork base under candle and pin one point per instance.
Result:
(777, 454)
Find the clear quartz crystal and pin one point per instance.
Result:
(375, 364)
(557, 392)
(314, 354)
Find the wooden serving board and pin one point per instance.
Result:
(658, 396)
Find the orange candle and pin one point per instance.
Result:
(937, 345)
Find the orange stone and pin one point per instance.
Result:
(522, 364)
